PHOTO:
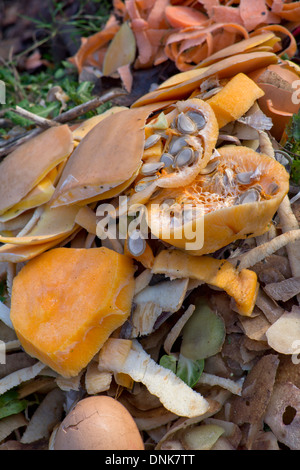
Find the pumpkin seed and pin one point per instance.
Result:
(156, 193)
(247, 176)
(151, 168)
(152, 140)
(167, 203)
(185, 124)
(228, 177)
(258, 188)
(244, 178)
(167, 159)
(184, 157)
(198, 119)
(144, 183)
(177, 144)
(251, 195)
(210, 93)
(136, 244)
(210, 168)
(272, 188)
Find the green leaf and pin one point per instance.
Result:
(10, 404)
(7, 397)
(12, 408)
(189, 370)
(169, 362)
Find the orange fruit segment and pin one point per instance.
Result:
(235, 99)
(66, 303)
(233, 198)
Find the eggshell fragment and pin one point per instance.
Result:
(98, 423)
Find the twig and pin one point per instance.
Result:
(249, 259)
(67, 116)
(81, 109)
(38, 120)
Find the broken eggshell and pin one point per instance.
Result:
(98, 423)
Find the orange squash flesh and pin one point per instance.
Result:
(241, 286)
(235, 99)
(66, 303)
(223, 220)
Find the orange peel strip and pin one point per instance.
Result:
(92, 44)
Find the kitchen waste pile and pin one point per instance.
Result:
(151, 254)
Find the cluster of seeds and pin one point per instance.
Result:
(181, 147)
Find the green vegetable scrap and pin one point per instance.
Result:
(202, 336)
(204, 333)
(10, 404)
(188, 370)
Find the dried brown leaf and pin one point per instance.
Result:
(283, 414)
(46, 416)
(284, 290)
(257, 391)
